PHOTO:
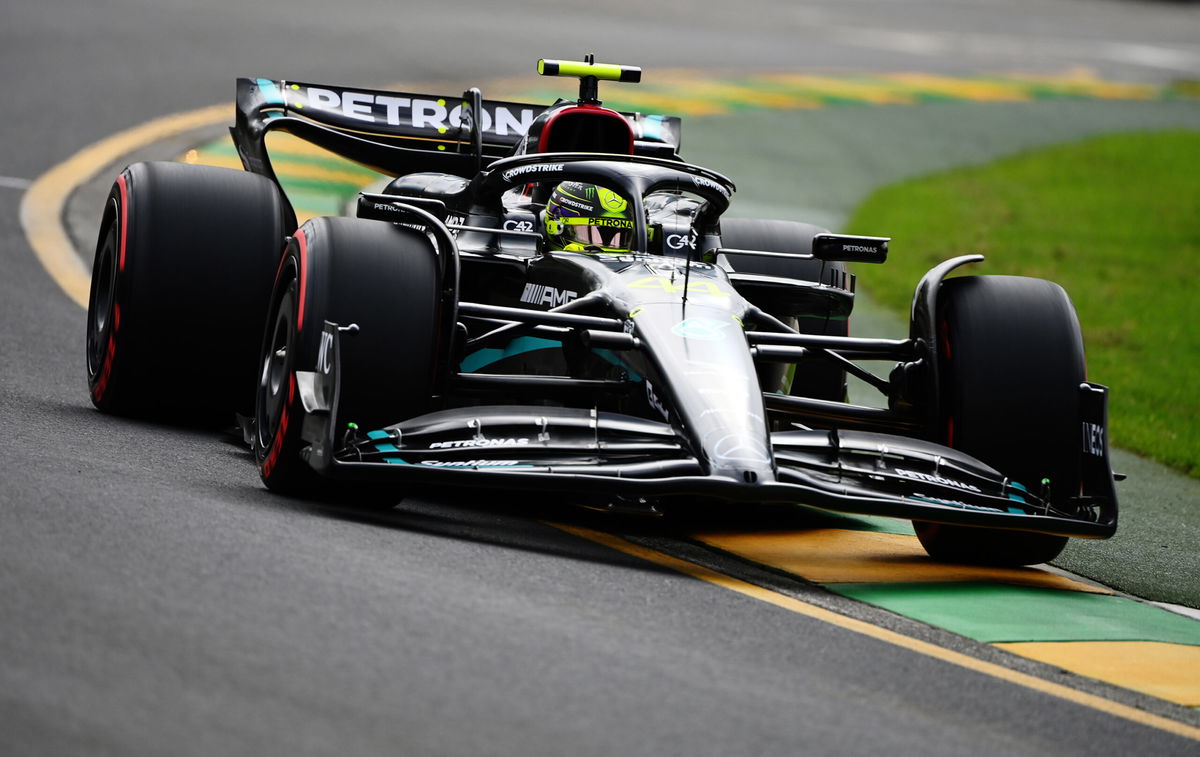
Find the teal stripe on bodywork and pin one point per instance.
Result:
(612, 358)
(270, 92)
(518, 346)
(653, 129)
(523, 344)
(382, 446)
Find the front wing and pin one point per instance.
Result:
(592, 455)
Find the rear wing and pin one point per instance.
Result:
(398, 133)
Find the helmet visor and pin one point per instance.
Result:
(608, 233)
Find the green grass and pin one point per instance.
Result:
(1116, 221)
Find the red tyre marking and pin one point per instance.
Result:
(277, 441)
(109, 351)
(124, 191)
(302, 243)
(282, 262)
(106, 371)
(944, 331)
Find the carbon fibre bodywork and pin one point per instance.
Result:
(633, 379)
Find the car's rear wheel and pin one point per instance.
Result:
(383, 279)
(1010, 364)
(816, 378)
(180, 278)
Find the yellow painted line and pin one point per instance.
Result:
(962, 89)
(829, 556)
(1166, 671)
(833, 556)
(1085, 83)
(783, 601)
(694, 92)
(741, 94)
(872, 92)
(43, 204)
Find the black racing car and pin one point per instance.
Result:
(550, 299)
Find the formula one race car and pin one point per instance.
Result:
(550, 299)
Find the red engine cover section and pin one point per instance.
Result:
(582, 128)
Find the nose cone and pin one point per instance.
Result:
(713, 386)
(739, 456)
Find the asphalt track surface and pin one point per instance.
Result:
(155, 599)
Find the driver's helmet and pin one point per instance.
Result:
(583, 217)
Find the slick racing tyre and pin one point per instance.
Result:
(1010, 364)
(377, 276)
(183, 268)
(817, 379)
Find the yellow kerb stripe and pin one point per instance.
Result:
(1166, 671)
(965, 89)
(882, 634)
(42, 205)
(829, 556)
(874, 92)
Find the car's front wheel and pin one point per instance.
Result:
(1010, 364)
(377, 276)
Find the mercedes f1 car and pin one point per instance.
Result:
(476, 326)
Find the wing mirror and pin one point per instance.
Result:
(852, 249)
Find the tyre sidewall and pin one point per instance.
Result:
(349, 271)
(1011, 362)
(196, 251)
